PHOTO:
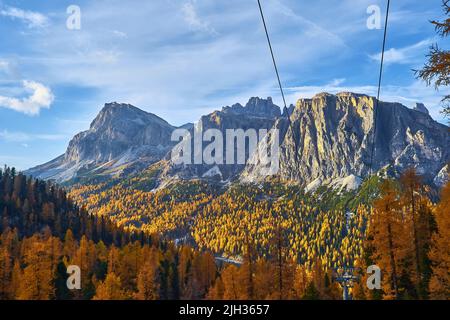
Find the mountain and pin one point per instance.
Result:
(256, 114)
(122, 139)
(328, 140)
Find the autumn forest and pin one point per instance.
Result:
(196, 241)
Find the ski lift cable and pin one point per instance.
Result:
(286, 110)
(379, 90)
(271, 53)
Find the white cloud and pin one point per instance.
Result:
(32, 19)
(393, 56)
(120, 34)
(4, 66)
(181, 75)
(23, 137)
(337, 82)
(193, 20)
(41, 97)
(404, 55)
(168, 71)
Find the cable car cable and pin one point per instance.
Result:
(379, 90)
(286, 110)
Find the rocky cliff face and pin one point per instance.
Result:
(329, 141)
(331, 138)
(122, 138)
(256, 114)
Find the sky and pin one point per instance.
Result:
(181, 59)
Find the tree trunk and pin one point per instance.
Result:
(392, 259)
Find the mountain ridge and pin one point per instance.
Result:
(119, 135)
(329, 138)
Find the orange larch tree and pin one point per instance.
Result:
(439, 286)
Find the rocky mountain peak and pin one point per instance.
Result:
(331, 137)
(255, 107)
(121, 138)
(117, 115)
(421, 108)
(327, 108)
(115, 108)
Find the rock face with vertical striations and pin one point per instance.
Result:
(256, 114)
(331, 138)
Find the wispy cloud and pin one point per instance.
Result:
(168, 71)
(40, 97)
(120, 34)
(159, 66)
(31, 18)
(313, 28)
(181, 59)
(405, 55)
(192, 18)
(18, 136)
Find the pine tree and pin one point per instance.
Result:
(439, 286)
(5, 272)
(301, 282)
(437, 69)
(85, 259)
(387, 231)
(418, 216)
(61, 290)
(110, 289)
(185, 271)
(36, 282)
(15, 281)
(148, 281)
(217, 290)
(279, 260)
(248, 265)
(70, 245)
(233, 288)
(311, 292)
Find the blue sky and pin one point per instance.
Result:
(183, 58)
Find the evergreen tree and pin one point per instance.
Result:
(439, 285)
(110, 289)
